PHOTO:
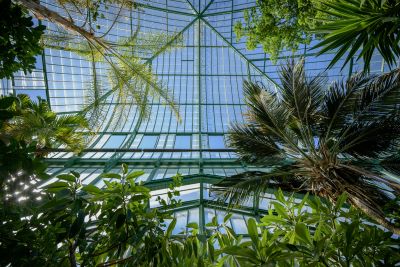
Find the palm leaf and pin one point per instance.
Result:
(252, 145)
(371, 138)
(241, 187)
(363, 26)
(302, 94)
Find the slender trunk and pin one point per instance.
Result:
(72, 259)
(375, 216)
(42, 12)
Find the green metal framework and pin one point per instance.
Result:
(205, 78)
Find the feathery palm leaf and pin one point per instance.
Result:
(361, 26)
(326, 142)
(36, 122)
(130, 78)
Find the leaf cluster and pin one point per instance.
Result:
(358, 28)
(19, 40)
(278, 25)
(322, 140)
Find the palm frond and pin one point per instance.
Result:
(371, 138)
(301, 94)
(364, 26)
(392, 164)
(253, 145)
(380, 96)
(241, 187)
(266, 111)
(340, 101)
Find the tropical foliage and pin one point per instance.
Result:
(278, 25)
(79, 30)
(357, 28)
(326, 141)
(34, 121)
(130, 83)
(312, 232)
(28, 130)
(19, 40)
(82, 225)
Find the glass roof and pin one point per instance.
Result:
(203, 66)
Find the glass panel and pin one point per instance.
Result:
(182, 142)
(114, 141)
(148, 142)
(216, 141)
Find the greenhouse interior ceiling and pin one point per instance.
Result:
(171, 111)
(192, 49)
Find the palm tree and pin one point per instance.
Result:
(361, 26)
(34, 121)
(323, 141)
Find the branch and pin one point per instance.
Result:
(42, 12)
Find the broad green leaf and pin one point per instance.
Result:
(202, 238)
(340, 201)
(111, 175)
(241, 251)
(267, 219)
(76, 174)
(171, 227)
(77, 224)
(66, 177)
(227, 217)
(134, 175)
(192, 225)
(280, 209)
(211, 251)
(60, 185)
(252, 230)
(302, 232)
(91, 189)
(120, 220)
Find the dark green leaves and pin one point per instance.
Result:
(67, 177)
(91, 189)
(19, 40)
(360, 28)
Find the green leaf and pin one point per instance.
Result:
(279, 196)
(340, 201)
(67, 177)
(77, 224)
(211, 250)
(124, 168)
(7, 101)
(60, 185)
(241, 251)
(252, 230)
(280, 209)
(202, 238)
(193, 225)
(111, 175)
(134, 175)
(171, 227)
(120, 220)
(91, 189)
(267, 219)
(227, 217)
(302, 233)
(76, 174)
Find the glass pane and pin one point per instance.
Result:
(182, 142)
(216, 141)
(148, 142)
(114, 141)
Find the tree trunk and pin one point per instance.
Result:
(72, 258)
(42, 12)
(375, 216)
